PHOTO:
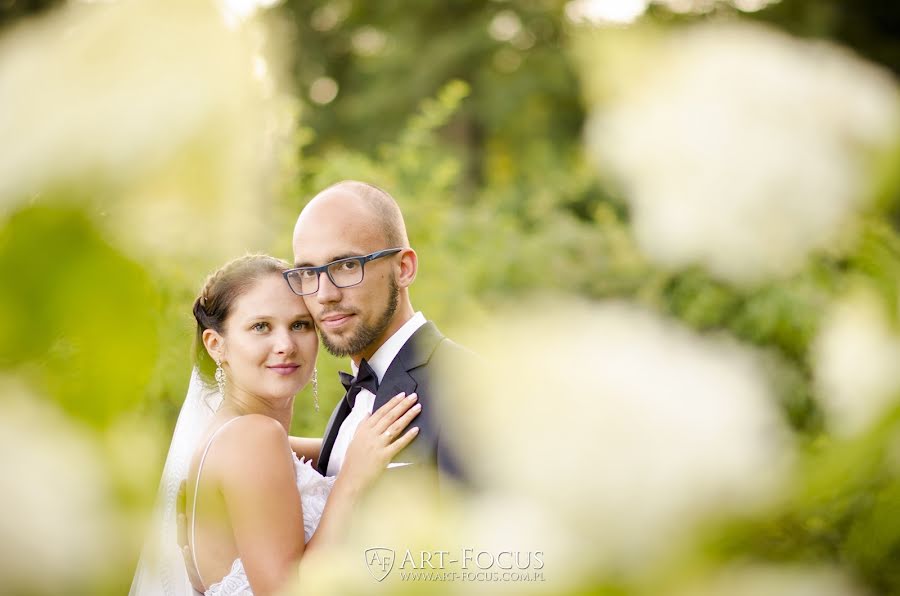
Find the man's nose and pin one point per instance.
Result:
(328, 292)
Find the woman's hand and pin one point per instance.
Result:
(378, 439)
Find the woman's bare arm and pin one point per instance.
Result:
(260, 489)
(307, 447)
(261, 496)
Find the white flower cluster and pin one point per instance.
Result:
(58, 525)
(742, 150)
(855, 360)
(157, 110)
(621, 425)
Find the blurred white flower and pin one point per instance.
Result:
(505, 25)
(156, 110)
(323, 90)
(369, 41)
(236, 11)
(772, 580)
(742, 150)
(627, 11)
(406, 515)
(625, 427)
(605, 11)
(498, 521)
(855, 360)
(56, 522)
(703, 6)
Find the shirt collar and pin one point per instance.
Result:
(383, 357)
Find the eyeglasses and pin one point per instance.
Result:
(343, 273)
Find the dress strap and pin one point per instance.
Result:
(194, 506)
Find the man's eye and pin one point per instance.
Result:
(306, 274)
(260, 327)
(349, 265)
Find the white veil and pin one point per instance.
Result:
(161, 571)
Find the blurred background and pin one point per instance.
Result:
(673, 222)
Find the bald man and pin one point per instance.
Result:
(354, 269)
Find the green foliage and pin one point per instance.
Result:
(843, 511)
(89, 336)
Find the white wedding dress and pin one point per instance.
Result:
(161, 570)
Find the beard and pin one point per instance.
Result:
(367, 333)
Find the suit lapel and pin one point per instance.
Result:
(399, 381)
(414, 353)
(331, 432)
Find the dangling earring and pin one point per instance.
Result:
(220, 377)
(315, 382)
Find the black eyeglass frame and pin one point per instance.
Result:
(324, 269)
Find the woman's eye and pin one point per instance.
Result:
(299, 325)
(260, 327)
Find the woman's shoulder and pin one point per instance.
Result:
(256, 425)
(251, 440)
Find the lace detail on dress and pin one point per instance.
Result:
(314, 490)
(233, 584)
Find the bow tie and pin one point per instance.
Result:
(365, 379)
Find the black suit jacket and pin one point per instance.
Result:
(414, 369)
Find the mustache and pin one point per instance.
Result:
(335, 310)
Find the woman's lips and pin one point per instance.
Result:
(285, 369)
(335, 321)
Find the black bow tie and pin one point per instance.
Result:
(365, 379)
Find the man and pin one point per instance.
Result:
(354, 269)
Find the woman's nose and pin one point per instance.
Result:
(284, 343)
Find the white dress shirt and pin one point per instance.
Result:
(365, 399)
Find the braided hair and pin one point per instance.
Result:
(220, 290)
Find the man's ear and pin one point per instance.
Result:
(409, 266)
(214, 344)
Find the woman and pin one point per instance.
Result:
(254, 508)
